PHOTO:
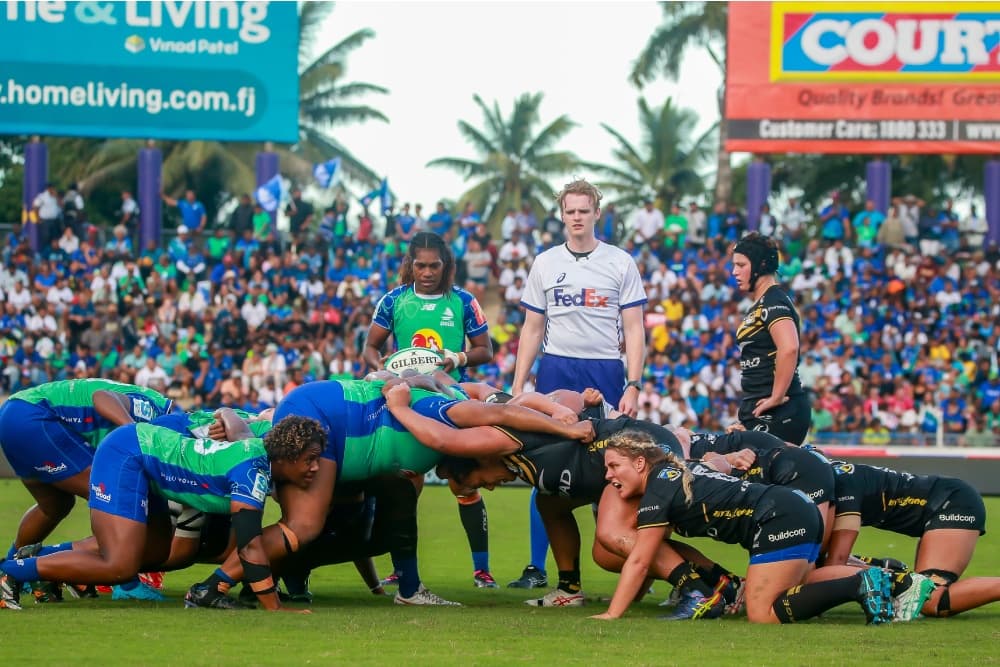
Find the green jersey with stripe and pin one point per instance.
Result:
(72, 401)
(204, 474)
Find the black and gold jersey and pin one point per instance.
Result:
(757, 348)
(884, 498)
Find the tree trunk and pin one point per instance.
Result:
(723, 169)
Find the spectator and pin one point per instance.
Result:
(193, 215)
(648, 223)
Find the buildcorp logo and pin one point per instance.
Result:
(786, 535)
(964, 518)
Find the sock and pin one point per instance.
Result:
(11, 552)
(569, 580)
(55, 548)
(130, 585)
(474, 521)
(808, 600)
(220, 581)
(25, 569)
(409, 577)
(685, 576)
(539, 538)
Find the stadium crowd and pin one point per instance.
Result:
(899, 327)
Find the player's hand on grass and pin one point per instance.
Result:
(604, 617)
(293, 611)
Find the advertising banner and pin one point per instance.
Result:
(864, 77)
(161, 69)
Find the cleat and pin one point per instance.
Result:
(201, 595)
(391, 580)
(531, 577)
(46, 591)
(694, 605)
(424, 597)
(887, 563)
(483, 579)
(152, 579)
(909, 603)
(10, 593)
(81, 591)
(875, 596)
(28, 551)
(733, 593)
(673, 599)
(558, 598)
(141, 592)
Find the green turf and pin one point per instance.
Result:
(349, 626)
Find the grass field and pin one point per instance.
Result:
(349, 626)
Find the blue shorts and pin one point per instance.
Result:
(333, 415)
(607, 375)
(118, 483)
(39, 445)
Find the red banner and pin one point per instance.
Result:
(865, 77)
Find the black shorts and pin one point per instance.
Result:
(954, 504)
(796, 468)
(788, 527)
(789, 421)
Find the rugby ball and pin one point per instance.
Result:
(419, 359)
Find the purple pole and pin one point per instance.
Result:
(878, 183)
(991, 190)
(267, 164)
(36, 177)
(148, 193)
(758, 188)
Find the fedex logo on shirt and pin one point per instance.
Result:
(587, 297)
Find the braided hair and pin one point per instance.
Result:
(429, 241)
(632, 444)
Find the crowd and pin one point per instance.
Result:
(899, 325)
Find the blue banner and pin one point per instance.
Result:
(165, 69)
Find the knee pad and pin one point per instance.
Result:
(291, 539)
(940, 577)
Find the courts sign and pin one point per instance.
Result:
(164, 69)
(868, 77)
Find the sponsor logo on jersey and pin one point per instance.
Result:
(587, 298)
(844, 469)
(749, 363)
(261, 486)
(565, 482)
(143, 409)
(733, 513)
(101, 492)
(448, 317)
(966, 518)
(561, 277)
(669, 474)
(427, 338)
(907, 501)
(428, 306)
(649, 508)
(786, 535)
(51, 468)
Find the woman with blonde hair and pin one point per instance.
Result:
(780, 528)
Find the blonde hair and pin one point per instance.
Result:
(632, 444)
(579, 187)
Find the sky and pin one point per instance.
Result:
(434, 56)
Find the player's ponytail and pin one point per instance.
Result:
(632, 444)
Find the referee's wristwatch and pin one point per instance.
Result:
(633, 383)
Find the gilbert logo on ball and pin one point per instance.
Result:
(419, 359)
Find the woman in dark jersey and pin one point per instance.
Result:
(779, 527)
(947, 514)
(768, 336)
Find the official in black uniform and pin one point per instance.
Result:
(780, 528)
(947, 514)
(773, 398)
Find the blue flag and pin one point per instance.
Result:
(384, 196)
(382, 192)
(327, 173)
(269, 194)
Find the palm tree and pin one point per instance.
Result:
(666, 162)
(691, 25)
(325, 102)
(515, 160)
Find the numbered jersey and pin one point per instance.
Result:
(204, 474)
(440, 322)
(72, 401)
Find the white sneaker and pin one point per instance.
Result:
(557, 598)
(909, 603)
(425, 597)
